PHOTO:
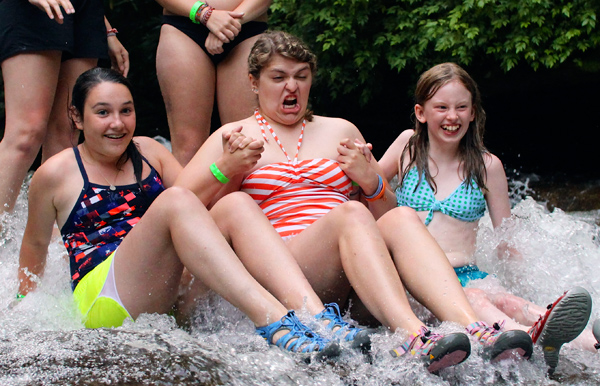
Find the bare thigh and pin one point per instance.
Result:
(322, 248)
(187, 82)
(60, 135)
(235, 98)
(147, 269)
(29, 87)
(30, 82)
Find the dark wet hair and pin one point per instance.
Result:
(282, 43)
(83, 86)
(471, 147)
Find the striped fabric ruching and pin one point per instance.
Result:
(294, 196)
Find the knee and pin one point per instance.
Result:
(178, 200)
(398, 217)
(26, 137)
(236, 199)
(234, 205)
(355, 213)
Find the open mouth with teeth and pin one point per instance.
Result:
(115, 136)
(451, 128)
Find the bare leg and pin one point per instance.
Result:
(521, 310)
(263, 252)
(489, 313)
(527, 314)
(177, 231)
(424, 267)
(235, 98)
(585, 341)
(187, 82)
(60, 135)
(29, 86)
(345, 247)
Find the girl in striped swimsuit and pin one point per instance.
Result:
(301, 170)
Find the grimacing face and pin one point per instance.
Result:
(283, 89)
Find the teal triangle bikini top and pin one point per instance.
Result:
(466, 203)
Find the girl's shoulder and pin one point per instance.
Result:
(247, 124)
(57, 167)
(491, 161)
(57, 179)
(339, 126)
(404, 137)
(160, 158)
(148, 146)
(493, 166)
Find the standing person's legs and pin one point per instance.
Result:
(235, 98)
(187, 81)
(30, 81)
(60, 135)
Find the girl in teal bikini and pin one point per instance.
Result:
(447, 175)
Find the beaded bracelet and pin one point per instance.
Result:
(206, 15)
(379, 193)
(111, 32)
(193, 11)
(218, 174)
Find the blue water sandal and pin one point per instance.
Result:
(299, 339)
(360, 338)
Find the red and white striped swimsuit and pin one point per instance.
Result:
(295, 194)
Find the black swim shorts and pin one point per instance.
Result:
(26, 28)
(198, 33)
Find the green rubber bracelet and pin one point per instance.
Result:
(20, 297)
(217, 173)
(193, 11)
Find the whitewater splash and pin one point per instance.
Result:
(42, 340)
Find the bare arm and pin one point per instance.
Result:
(119, 57)
(250, 9)
(497, 193)
(253, 9)
(232, 162)
(161, 159)
(224, 24)
(247, 11)
(498, 201)
(365, 171)
(390, 162)
(38, 232)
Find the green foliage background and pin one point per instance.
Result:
(357, 39)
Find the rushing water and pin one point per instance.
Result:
(42, 341)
